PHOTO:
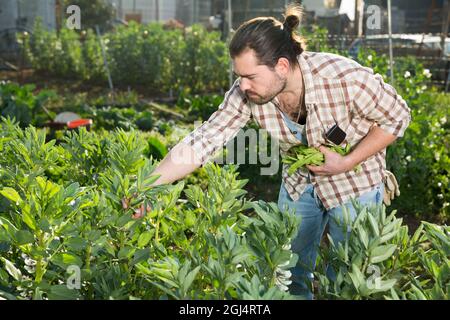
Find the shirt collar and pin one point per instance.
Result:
(310, 93)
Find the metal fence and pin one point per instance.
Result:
(427, 53)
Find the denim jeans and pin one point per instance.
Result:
(314, 219)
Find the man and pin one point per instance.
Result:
(298, 96)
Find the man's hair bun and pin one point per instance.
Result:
(292, 17)
(291, 23)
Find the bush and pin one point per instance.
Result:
(420, 159)
(380, 260)
(95, 13)
(20, 103)
(144, 55)
(199, 106)
(62, 211)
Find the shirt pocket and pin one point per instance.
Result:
(354, 126)
(357, 130)
(336, 115)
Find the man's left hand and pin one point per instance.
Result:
(334, 163)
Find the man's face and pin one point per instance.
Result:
(259, 82)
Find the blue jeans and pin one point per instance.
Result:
(314, 218)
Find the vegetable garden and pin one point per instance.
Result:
(218, 234)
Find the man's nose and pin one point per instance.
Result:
(244, 84)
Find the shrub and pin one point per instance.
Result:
(380, 260)
(62, 211)
(20, 103)
(144, 55)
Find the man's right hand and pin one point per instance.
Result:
(141, 211)
(138, 212)
(169, 171)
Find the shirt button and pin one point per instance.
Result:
(294, 132)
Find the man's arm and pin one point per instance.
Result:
(376, 101)
(195, 149)
(376, 140)
(173, 168)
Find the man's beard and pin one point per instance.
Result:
(260, 100)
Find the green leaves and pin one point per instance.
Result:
(157, 150)
(176, 280)
(62, 292)
(28, 218)
(76, 244)
(145, 238)
(47, 188)
(255, 290)
(138, 54)
(24, 237)
(188, 275)
(422, 154)
(20, 103)
(203, 241)
(301, 155)
(12, 195)
(381, 261)
(126, 253)
(12, 270)
(382, 253)
(65, 260)
(357, 277)
(362, 262)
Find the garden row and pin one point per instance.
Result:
(162, 60)
(64, 232)
(61, 207)
(420, 160)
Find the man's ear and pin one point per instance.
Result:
(282, 66)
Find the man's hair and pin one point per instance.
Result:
(269, 38)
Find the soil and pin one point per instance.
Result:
(61, 85)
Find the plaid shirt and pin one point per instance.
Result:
(337, 90)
